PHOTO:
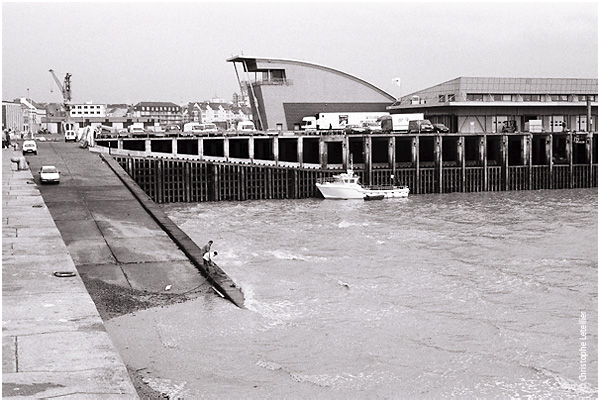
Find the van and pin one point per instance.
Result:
(209, 128)
(70, 135)
(246, 126)
(420, 126)
(192, 127)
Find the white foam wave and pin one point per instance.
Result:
(172, 389)
(285, 255)
(320, 380)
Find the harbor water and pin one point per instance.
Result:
(449, 296)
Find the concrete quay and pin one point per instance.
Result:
(54, 343)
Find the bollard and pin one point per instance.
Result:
(15, 163)
(23, 163)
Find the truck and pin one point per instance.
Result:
(533, 126)
(399, 122)
(339, 120)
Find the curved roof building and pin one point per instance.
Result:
(283, 91)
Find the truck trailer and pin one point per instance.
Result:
(339, 120)
(399, 122)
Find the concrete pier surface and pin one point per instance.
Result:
(54, 343)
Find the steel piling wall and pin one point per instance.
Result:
(172, 180)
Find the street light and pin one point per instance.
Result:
(29, 115)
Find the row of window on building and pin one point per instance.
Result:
(160, 108)
(518, 98)
(88, 106)
(86, 112)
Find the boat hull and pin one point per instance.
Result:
(336, 192)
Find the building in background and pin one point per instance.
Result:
(163, 113)
(79, 111)
(33, 115)
(12, 116)
(117, 110)
(494, 105)
(282, 91)
(217, 111)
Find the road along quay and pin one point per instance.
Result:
(125, 258)
(54, 343)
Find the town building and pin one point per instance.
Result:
(163, 113)
(494, 105)
(33, 115)
(283, 91)
(12, 116)
(117, 110)
(217, 111)
(79, 111)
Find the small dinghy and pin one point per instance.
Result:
(374, 197)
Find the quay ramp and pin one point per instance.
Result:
(115, 233)
(54, 343)
(214, 273)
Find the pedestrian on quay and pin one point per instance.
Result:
(206, 247)
(207, 258)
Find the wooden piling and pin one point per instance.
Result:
(183, 180)
(416, 164)
(437, 150)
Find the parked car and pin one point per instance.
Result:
(440, 128)
(420, 126)
(29, 147)
(137, 131)
(354, 128)
(510, 126)
(49, 174)
(172, 127)
(373, 128)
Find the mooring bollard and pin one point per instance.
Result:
(15, 163)
(23, 163)
(20, 161)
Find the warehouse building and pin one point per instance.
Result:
(284, 91)
(496, 105)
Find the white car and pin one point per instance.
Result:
(29, 147)
(137, 131)
(49, 174)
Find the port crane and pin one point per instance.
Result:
(65, 88)
(68, 126)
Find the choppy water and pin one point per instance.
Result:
(455, 296)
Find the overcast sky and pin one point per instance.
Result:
(131, 52)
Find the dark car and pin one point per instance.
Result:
(420, 126)
(440, 128)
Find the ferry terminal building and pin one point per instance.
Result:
(476, 155)
(282, 91)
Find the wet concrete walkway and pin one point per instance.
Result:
(54, 343)
(108, 234)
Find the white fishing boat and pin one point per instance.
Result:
(346, 186)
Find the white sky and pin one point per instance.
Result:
(130, 52)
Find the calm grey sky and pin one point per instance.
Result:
(131, 52)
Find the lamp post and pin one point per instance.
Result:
(29, 116)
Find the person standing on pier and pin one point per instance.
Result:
(206, 247)
(208, 260)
